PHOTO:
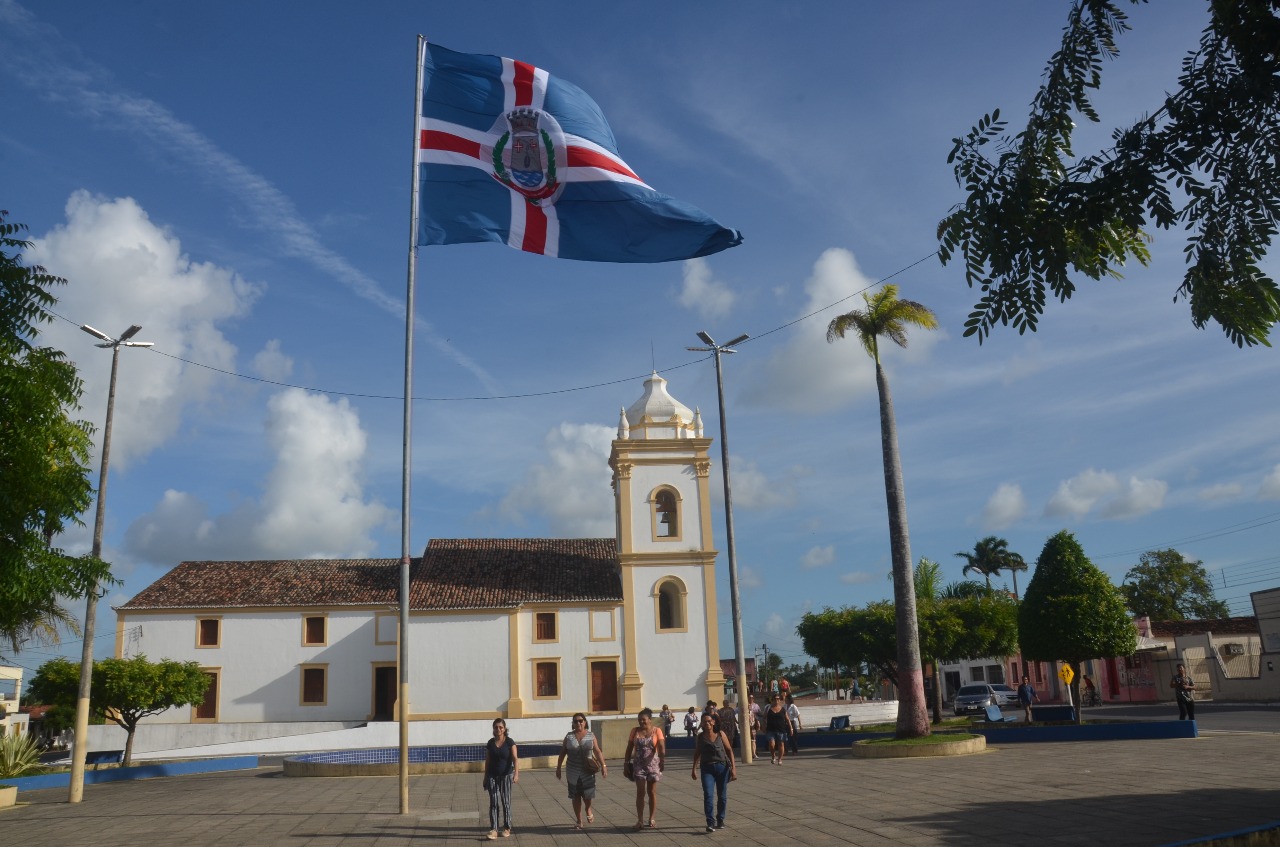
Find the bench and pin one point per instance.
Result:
(994, 715)
(838, 722)
(103, 757)
(1053, 713)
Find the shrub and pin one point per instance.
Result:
(19, 756)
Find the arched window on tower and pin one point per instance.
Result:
(670, 599)
(666, 514)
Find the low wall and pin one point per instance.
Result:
(155, 737)
(1125, 731)
(63, 780)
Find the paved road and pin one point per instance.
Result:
(1121, 793)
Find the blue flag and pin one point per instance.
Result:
(509, 153)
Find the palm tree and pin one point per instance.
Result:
(886, 315)
(40, 628)
(990, 556)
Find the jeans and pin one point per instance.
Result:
(1186, 709)
(715, 776)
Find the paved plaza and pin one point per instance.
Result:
(1097, 793)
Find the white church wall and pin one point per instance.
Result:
(646, 478)
(258, 659)
(460, 663)
(673, 664)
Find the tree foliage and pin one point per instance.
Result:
(950, 629)
(888, 316)
(1165, 586)
(43, 454)
(123, 691)
(990, 556)
(1071, 611)
(1207, 159)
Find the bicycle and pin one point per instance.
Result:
(1090, 698)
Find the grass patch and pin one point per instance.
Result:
(947, 723)
(942, 738)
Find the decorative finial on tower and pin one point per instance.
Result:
(624, 428)
(697, 422)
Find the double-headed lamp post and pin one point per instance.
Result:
(91, 606)
(740, 684)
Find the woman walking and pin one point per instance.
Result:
(646, 754)
(501, 769)
(585, 760)
(777, 726)
(715, 754)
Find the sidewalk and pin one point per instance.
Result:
(1113, 793)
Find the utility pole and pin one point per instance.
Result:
(76, 793)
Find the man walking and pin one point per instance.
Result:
(1026, 696)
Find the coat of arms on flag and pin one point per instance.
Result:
(509, 153)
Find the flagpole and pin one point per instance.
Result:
(402, 700)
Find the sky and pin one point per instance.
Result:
(235, 178)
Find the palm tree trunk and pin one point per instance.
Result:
(913, 716)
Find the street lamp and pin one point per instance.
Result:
(91, 606)
(740, 684)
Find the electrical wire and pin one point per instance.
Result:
(525, 395)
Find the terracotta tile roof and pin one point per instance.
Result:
(502, 573)
(485, 573)
(1225, 626)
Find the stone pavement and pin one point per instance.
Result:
(1098, 793)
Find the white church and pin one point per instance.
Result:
(499, 627)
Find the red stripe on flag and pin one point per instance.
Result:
(535, 229)
(523, 83)
(583, 157)
(436, 140)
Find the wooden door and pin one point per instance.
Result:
(604, 686)
(385, 692)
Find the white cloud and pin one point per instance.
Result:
(1225, 491)
(1103, 491)
(1270, 488)
(753, 491)
(808, 375)
(1075, 497)
(572, 490)
(703, 293)
(271, 364)
(776, 628)
(858, 577)
(122, 269)
(1137, 497)
(45, 61)
(312, 505)
(749, 577)
(819, 557)
(1005, 507)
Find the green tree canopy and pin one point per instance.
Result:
(990, 556)
(950, 629)
(1071, 611)
(123, 691)
(44, 453)
(1206, 159)
(1168, 587)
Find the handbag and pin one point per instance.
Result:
(627, 771)
(591, 765)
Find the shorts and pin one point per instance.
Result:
(776, 737)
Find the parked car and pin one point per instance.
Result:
(1007, 696)
(975, 697)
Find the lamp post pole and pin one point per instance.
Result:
(91, 604)
(740, 684)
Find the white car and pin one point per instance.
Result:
(1005, 695)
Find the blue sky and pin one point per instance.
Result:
(235, 178)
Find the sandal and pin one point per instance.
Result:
(652, 825)
(493, 835)
(591, 817)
